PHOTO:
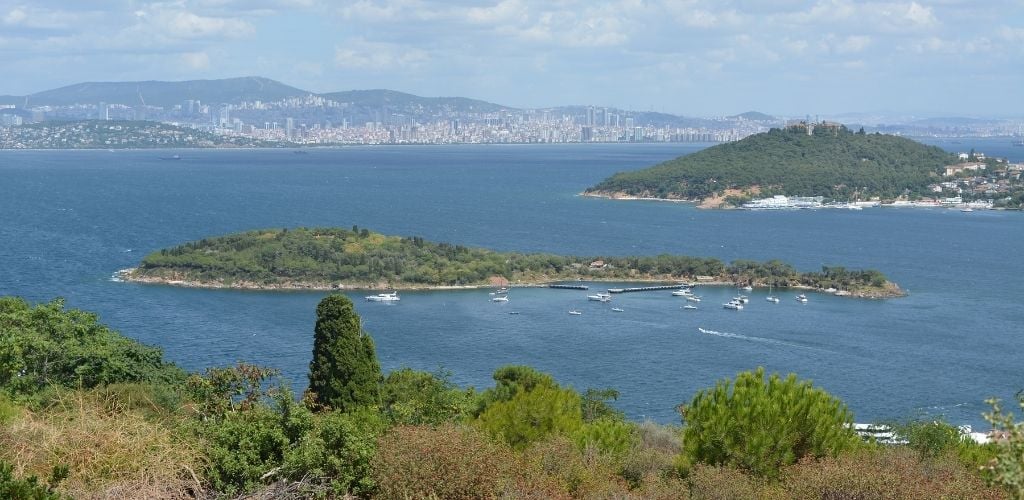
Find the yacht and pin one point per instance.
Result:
(384, 297)
(617, 309)
(500, 298)
(734, 305)
(801, 298)
(575, 313)
(772, 298)
(500, 291)
(685, 292)
(689, 306)
(741, 299)
(692, 298)
(600, 297)
(747, 288)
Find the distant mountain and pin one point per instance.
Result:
(412, 104)
(155, 93)
(833, 162)
(755, 116)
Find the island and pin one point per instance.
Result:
(357, 258)
(815, 163)
(117, 134)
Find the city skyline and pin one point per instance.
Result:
(693, 58)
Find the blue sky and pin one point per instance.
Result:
(694, 57)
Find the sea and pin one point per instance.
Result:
(70, 219)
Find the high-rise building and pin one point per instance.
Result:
(586, 134)
(590, 116)
(638, 134)
(289, 127)
(102, 111)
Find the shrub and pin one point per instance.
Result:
(413, 397)
(726, 483)
(245, 448)
(533, 415)
(27, 488)
(447, 461)
(883, 473)
(584, 474)
(613, 438)
(761, 425)
(337, 452)
(1007, 469)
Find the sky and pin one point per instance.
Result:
(690, 57)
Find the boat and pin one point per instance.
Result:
(733, 305)
(172, 157)
(383, 297)
(741, 299)
(747, 288)
(575, 313)
(801, 298)
(685, 292)
(500, 291)
(968, 209)
(500, 298)
(617, 309)
(688, 306)
(770, 297)
(513, 312)
(693, 298)
(600, 297)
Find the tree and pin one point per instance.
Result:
(761, 425)
(344, 373)
(533, 415)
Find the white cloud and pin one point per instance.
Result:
(362, 54)
(853, 44)
(196, 60)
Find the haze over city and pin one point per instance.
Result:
(696, 57)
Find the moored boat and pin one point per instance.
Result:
(383, 297)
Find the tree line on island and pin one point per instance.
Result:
(127, 424)
(833, 162)
(324, 257)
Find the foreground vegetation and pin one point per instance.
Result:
(231, 432)
(328, 258)
(832, 162)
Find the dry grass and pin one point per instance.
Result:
(112, 452)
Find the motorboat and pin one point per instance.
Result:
(801, 298)
(688, 306)
(747, 288)
(575, 313)
(384, 297)
(733, 305)
(772, 298)
(500, 291)
(617, 309)
(685, 292)
(600, 297)
(692, 298)
(741, 299)
(500, 298)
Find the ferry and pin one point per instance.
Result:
(383, 297)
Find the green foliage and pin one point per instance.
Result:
(760, 425)
(413, 397)
(337, 451)
(359, 257)
(243, 448)
(510, 380)
(839, 165)
(29, 488)
(1008, 469)
(612, 437)
(595, 405)
(47, 345)
(344, 373)
(531, 415)
(225, 390)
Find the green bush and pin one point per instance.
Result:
(533, 415)
(1007, 470)
(337, 451)
(413, 397)
(244, 449)
(760, 425)
(614, 438)
(28, 488)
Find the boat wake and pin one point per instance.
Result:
(759, 339)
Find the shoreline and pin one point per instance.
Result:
(714, 203)
(891, 291)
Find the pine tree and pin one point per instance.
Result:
(344, 373)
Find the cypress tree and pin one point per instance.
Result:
(344, 373)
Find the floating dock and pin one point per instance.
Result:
(646, 288)
(570, 287)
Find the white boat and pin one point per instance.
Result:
(772, 298)
(688, 306)
(600, 297)
(383, 297)
(500, 291)
(682, 293)
(500, 298)
(733, 305)
(617, 309)
(575, 313)
(693, 298)
(741, 299)
(801, 298)
(968, 209)
(747, 288)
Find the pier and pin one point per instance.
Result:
(570, 287)
(646, 288)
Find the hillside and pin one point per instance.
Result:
(400, 101)
(157, 93)
(112, 134)
(833, 162)
(325, 258)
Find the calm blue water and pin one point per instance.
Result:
(68, 220)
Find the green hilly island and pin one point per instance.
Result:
(832, 161)
(332, 258)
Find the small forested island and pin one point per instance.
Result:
(116, 134)
(808, 160)
(332, 258)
